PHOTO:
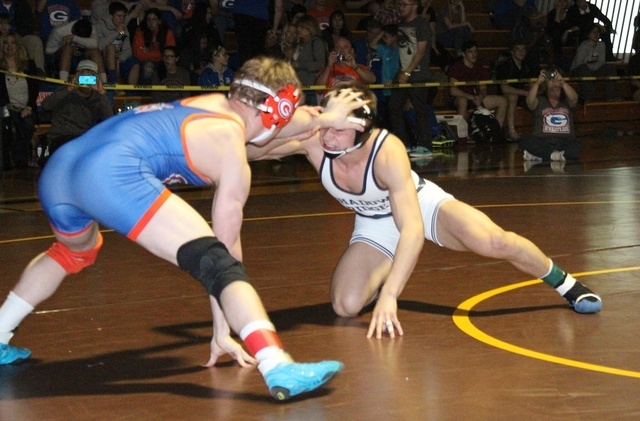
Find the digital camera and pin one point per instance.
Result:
(340, 58)
(87, 79)
(550, 74)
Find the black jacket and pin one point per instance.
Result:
(32, 84)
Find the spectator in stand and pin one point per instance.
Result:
(52, 13)
(414, 39)
(100, 10)
(372, 8)
(508, 13)
(310, 55)
(76, 108)
(388, 14)
(532, 33)
(366, 48)
(342, 67)
(439, 54)
(217, 72)
(389, 53)
(589, 60)
(453, 27)
(516, 67)
(149, 42)
(187, 11)
(582, 15)
(201, 23)
(295, 12)
(72, 42)
(469, 97)
(114, 42)
(252, 22)
(18, 17)
(170, 73)
(561, 33)
(284, 47)
(169, 14)
(368, 51)
(194, 57)
(18, 101)
(320, 10)
(554, 135)
(222, 16)
(337, 29)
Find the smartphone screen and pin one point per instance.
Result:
(87, 80)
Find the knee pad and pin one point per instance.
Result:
(209, 261)
(74, 261)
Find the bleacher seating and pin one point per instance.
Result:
(491, 43)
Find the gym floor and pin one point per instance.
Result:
(126, 338)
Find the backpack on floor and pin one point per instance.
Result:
(447, 131)
(484, 127)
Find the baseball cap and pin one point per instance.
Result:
(88, 65)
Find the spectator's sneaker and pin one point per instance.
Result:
(10, 354)
(291, 379)
(442, 142)
(582, 299)
(420, 152)
(421, 162)
(528, 157)
(558, 156)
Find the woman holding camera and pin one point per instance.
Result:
(18, 101)
(552, 101)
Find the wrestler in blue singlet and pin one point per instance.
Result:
(116, 172)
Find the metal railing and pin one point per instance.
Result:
(622, 15)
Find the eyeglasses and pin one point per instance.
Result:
(168, 56)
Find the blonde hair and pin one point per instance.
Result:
(268, 71)
(22, 59)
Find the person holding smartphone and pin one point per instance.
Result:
(76, 108)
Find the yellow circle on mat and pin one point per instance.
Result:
(463, 321)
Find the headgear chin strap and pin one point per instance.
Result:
(277, 110)
(363, 116)
(337, 154)
(263, 136)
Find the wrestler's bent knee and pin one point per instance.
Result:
(209, 261)
(74, 261)
(347, 306)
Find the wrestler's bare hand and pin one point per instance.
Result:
(339, 107)
(385, 319)
(226, 345)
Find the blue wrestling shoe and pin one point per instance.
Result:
(10, 354)
(291, 379)
(583, 300)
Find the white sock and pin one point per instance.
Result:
(12, 312)
(103, 77)
(565, 286)
(64, 75)
(270, 356)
